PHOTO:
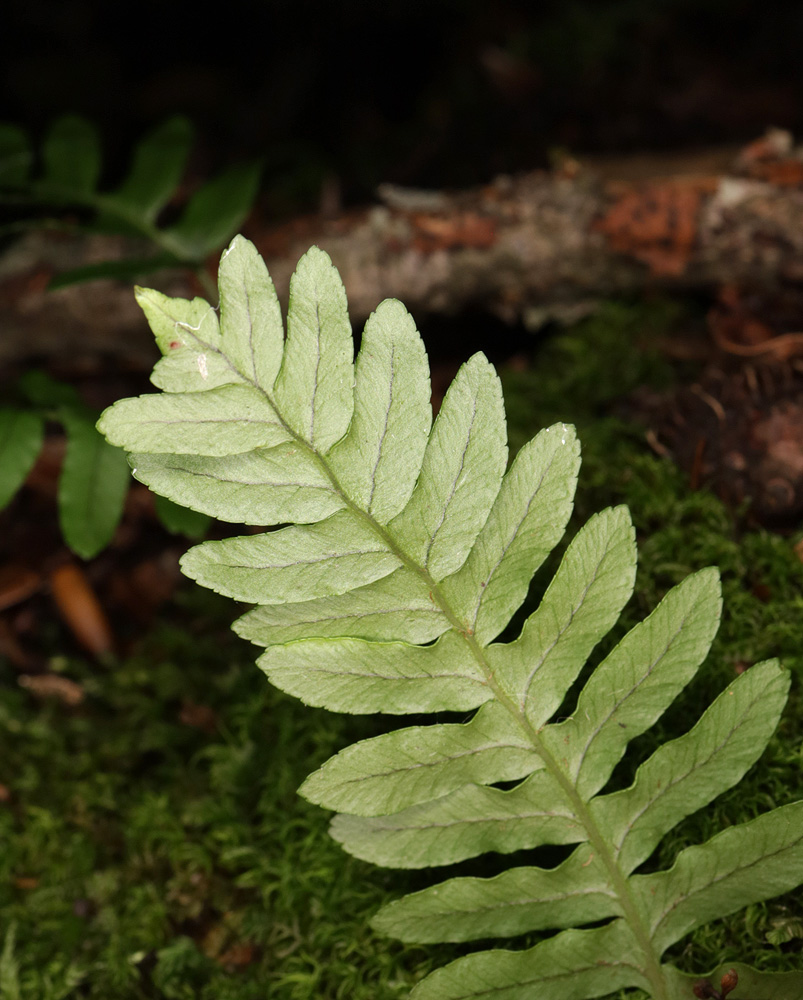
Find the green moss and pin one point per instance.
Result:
(142, 852)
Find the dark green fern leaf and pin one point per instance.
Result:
(71, 163)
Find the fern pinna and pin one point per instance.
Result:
(407, 549)
(67, 179)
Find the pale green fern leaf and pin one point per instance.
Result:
(264, 486)
(689, 772)
(314, 394)
(378, 462)
(398, 606)
(408, 766)
(402, 551)
(637, 681)
(294, 564)
(460, 475)
(519, 900)
(744, 864)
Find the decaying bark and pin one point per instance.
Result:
(543, 245)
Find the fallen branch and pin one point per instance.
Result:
(540, 246)
(548, 244)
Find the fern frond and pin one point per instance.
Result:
(407, 547)
(71, 166)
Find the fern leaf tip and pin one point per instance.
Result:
(315, 255)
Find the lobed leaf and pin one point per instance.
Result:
(298, 563)
(177, 324)
(408, 766)
(573, 965)
(404, 552)
(636, 682)
(264, 486)
(685, 774)
(398, 606)
(517, 901)
(743, 864)
(250, 317)
(461, 473)
(378, 462)
(221, 421)
(526, 521)
(587, 594)
(353, 675)
(188, 334)
(467, 822)
(314, 391)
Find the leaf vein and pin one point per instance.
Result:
(731, 873)
(665, 789)
(420, 764)
(575, 610)
(329, 557)
(317, 367)
(513, 537)
(384, 427)
(453, 490)
(629, 694)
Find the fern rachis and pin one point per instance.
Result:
(408, 549)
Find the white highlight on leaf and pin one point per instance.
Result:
(195, 329)
(202, 366)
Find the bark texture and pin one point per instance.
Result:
(539, 246)
(547, 244)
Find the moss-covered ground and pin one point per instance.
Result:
(148, 857)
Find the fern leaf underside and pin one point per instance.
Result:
(407, 548)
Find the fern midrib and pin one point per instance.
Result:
(383, 435)
(630, 909)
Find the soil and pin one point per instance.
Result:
(737, 427)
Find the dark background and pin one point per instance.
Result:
(443, 93)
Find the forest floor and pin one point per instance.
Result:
(154, 843)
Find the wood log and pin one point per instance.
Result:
(548, 244)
